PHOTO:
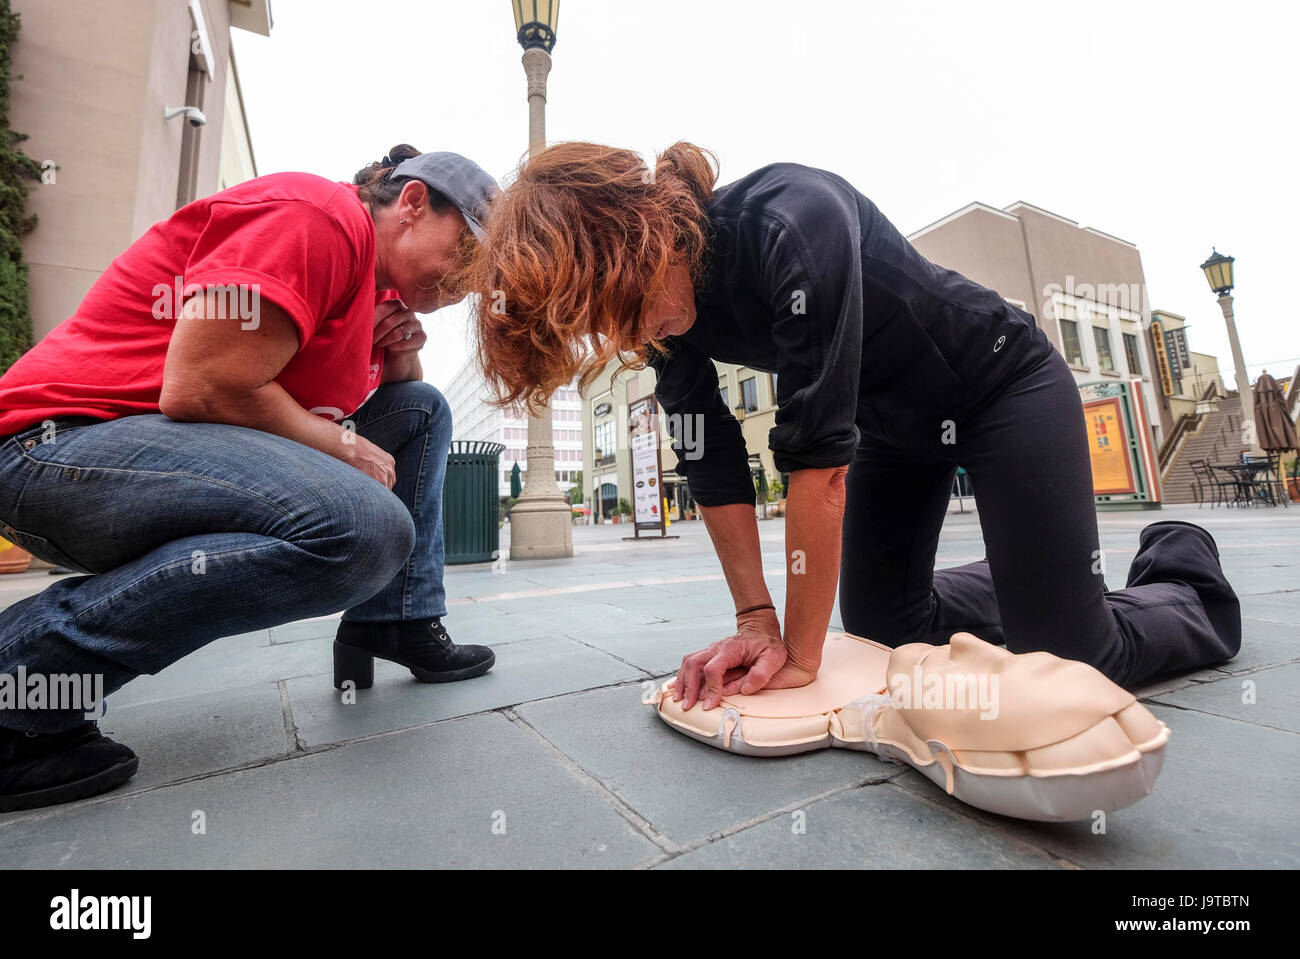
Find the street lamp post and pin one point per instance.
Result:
(541, 523)
(1218, 272)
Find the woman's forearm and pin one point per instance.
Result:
(218, 374)
(268, 408)
(734, 531)
(402, 367)
(813, 518)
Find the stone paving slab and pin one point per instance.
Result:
(201, 734)
(414, 799)
(227, 664)
(1223, 800)
(1154, 689)
(303, 629)
(686, 789)
(871, 827)
(205, 733)
(1264, 643)
(523, 671)
(1274, 607)
(524, 623)
(1273, 694)
(471, 614)
(658, 648)
(664, 603)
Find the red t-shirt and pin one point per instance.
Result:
(304, 243)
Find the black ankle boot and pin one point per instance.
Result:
(44, 769)
(421, 645)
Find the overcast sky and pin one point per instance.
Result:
(1170, 124)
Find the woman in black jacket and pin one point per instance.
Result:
(891, 372)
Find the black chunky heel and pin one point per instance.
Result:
(421, 645)
(355, 665)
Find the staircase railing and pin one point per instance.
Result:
(1187, 425)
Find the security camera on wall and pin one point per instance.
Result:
(193, 115)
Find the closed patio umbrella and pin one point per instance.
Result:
(516, 487)
(1273, 424)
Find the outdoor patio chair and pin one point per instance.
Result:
(1219, 489)
(1271, 478)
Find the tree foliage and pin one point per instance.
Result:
(16, 171)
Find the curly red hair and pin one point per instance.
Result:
(574, 248)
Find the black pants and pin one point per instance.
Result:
(1040, 586)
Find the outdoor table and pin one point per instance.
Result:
(1247, 488)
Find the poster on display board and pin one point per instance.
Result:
(1120, 448)
(1108, 448)
(647, 476)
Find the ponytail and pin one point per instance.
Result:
(695, 167)
(376, 186)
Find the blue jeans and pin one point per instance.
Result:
(195, 531)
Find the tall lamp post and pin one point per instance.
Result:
(1218, 271)
(541, 523)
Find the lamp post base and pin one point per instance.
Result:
(541, 528)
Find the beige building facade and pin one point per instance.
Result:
(1190, 378)
(607, 464)
(92, 83)
(1085, 287)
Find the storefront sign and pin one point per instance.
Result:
(1159, 347)
(1176, 346)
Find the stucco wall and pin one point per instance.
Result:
(92, 79)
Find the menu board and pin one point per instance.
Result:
(647, 483)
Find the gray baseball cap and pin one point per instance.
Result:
(458, 178)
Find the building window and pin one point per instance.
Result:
(1131, 351)
(604, 438)
(726, 397)
(773, 375)
(1105, 361)
(749, 394)
(1070, 343)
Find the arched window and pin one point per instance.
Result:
(608, 499)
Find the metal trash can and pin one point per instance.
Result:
(470, 502)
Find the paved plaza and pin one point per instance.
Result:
(250, 758)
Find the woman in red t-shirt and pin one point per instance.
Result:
(233, 432)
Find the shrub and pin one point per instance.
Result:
(16, 168)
